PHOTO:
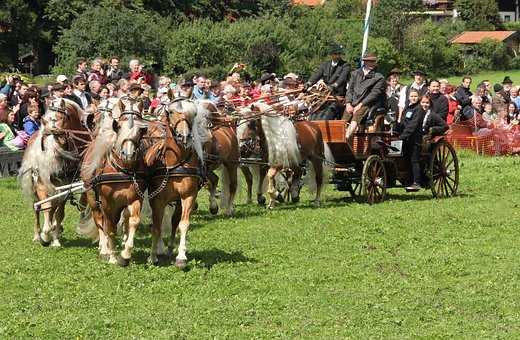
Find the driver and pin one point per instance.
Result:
(366, 91)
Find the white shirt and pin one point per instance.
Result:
(334, 63)
(81, 95)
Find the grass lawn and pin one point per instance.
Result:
(412, 266)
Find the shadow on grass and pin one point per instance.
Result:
(77, 242)
(202, 259)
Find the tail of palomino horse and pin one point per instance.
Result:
(326, 167)
(225, 193)
(86, 226)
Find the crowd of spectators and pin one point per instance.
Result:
(22, 104)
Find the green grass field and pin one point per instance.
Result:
(410, 267)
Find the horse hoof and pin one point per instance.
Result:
(104, 257)
(154, 261)
(316, 204)
(280, 198)
(213, 210)
(261, 200)
(122, 262)
(45, 243)
(56, 244)
(181, 264)
(295, 199)
(36, 238)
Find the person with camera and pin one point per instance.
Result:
(97, 73)
(113, 72)
(137, 73)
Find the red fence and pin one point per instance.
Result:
(493, 142)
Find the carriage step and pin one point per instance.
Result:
(350, 170)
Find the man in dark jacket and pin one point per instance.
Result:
(366, 92)
(463, 94)
(439, 101)
(79, 95)
(334, 73)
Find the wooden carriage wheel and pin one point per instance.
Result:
(444, 170)
(373, 180)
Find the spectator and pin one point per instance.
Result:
(411, 136)
(443, 85)
(463, 93)
(137, 75)
(104, 93)
(514, 96)
(19, 91)
(79, 95)
(163, 97)
(185, 89)
(215, 93)
(112, 89)
(8, 133)
(500, 99)
(486, 96)
(97, 73)
(31, 123)
(30, 99)
(488, 114)
(114, 73)
(95, 87)
(393, 90)
(439, 102)
(123, 85)
(81, 69)
(199, 90)
(418, 84)
(507, 84)
(472, 114)
(58, 90)
(512, 114)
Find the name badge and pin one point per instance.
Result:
(409, 114)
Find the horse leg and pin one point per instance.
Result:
(260, 189)
(48, 215)
(318, 171)
(212, 188)
(232, 183)
(176, 218)
(249, 181)
(37, 229)
(271, 188)
(122, 225)
(134, 212)
(57, 226)
(158, 207)
(181, 259)
(110, 229)
(295, 185)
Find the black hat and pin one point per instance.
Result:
(266, 77)
(188, 82)
(336, 49)
(44, 92)
(395, 70)
(507, 80)
(497, 87)
(135, 87)
(419, 73)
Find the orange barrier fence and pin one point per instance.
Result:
(492, 142)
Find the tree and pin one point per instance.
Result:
(479, 15)
(105, 31)
(393, 17)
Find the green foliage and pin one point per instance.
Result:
(512, 26)
(479, 15)
(390, 21)
(386, 52)
(105, 31)
(427, 48)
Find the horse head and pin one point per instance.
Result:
(180, 118)
(129, 127)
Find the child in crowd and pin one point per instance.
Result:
(411, 136)
(31, 123)
(489, 115)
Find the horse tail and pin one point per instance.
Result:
(225, 194)
(86, 226)
(25, 178)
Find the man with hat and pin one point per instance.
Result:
(502, 96)
(366, 92)
(418, 84)
(463, 93)
(185, 89)
(334, 73)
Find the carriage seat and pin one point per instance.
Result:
(374, 120)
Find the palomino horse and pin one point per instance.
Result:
(175, 169)
(52, 159)
(221, 151)
(285, 144)
(113, 171)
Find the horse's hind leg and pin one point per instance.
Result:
(260, 185)
(212, 187)
(176, 218)
(57, 226)
(134, 212)
(45, 234)
(232, 183)
(271, 188)
(249, 181)
(158, 207)
(181, 259)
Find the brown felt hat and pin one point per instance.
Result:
(370, 57)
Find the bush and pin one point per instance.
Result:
(104, 31)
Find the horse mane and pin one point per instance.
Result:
(281, 139)
(99, 149)
(197, 115)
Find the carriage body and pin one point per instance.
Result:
(370, 165)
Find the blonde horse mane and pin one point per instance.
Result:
(280, 135)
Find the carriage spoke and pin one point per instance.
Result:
(452, 189)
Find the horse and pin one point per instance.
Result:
(113, 171)
(174, 167)
(52, 159)
(221, 151)
(284, 145)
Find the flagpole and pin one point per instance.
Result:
(366, 29)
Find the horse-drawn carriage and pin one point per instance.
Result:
(374, 162)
